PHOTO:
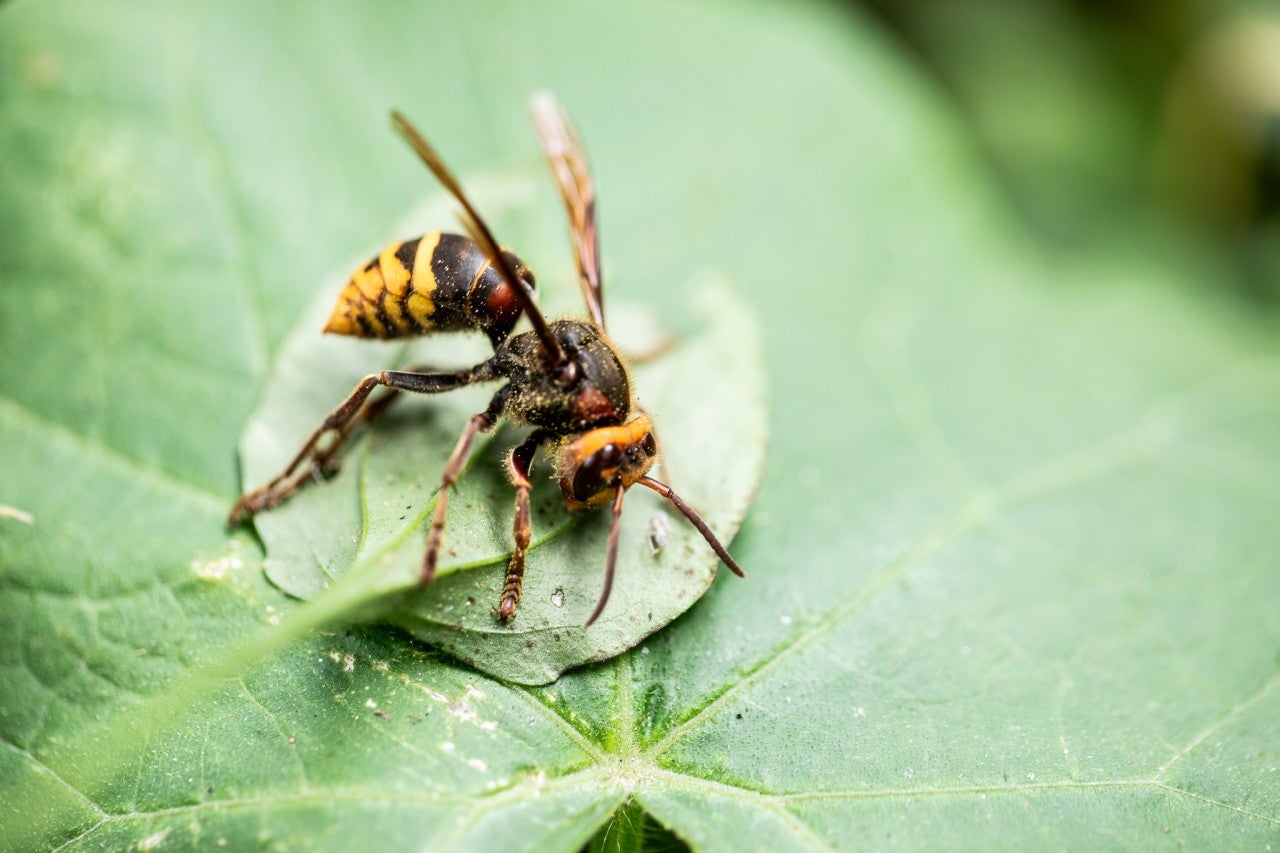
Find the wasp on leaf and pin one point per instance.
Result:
(564, 379)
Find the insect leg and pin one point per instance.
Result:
(518, 468)
(323, 459)
(340, 423)
(482, 422)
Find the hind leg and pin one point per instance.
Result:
(316, 454)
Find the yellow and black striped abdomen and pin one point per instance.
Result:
(436, 283)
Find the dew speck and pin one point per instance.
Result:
(1031, 777)
(369, 703)
(477, 765)
(557, 597)
(446, 746)
(644, 650)
(785, 620)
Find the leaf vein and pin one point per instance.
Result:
(52, 774)
(96, 450)
(1152, 431)
(1233, 712)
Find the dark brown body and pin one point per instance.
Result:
(599, 394)
(563, 379)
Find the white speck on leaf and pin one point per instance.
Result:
(462, 711)
(151, 842)
(216, 570)
(659, 530)
(477, 765)
(557, 597)
(349, 663)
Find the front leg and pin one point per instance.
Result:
(518, 469)
(312, 457)
(482, 422)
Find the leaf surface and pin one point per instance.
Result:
(1012, 565)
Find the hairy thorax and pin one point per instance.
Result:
(592, 390)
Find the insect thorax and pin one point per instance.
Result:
(599, 394)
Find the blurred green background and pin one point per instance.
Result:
(1121, 121)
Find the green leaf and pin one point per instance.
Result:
(1011, 568)
(360, 539)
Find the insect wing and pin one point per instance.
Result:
(478, 231)
(569, 167)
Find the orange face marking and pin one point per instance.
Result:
(632, 432)
(595, 461)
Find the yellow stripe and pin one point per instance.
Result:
(422, 262)
(419, 303)
(370, 312)
(395, 277)
(368, 282)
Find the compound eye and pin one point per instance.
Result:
(650, 446)
(592, 473)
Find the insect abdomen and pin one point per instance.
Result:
(436, 283)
